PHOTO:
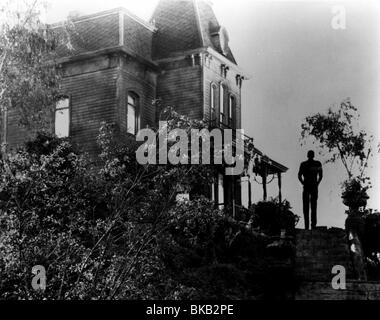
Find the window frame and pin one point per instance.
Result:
(136, 106)
(221, 103)
(63, 97)
(213, 100)
(221, 195)
(231, 109)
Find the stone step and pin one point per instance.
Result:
(318, 251)
(323, 290)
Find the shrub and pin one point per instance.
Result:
(271, 217)
(115, 232)
(354, 193)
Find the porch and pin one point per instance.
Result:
(259, 169)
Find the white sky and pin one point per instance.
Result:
(300, 66)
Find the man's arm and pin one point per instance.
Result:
(300, 173)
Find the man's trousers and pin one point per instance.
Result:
(310, 197)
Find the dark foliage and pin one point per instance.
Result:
(272, 217)
(116, 231)
(370, 239)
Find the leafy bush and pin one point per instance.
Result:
(366, 223)
(215, 256)
(370, 239)
(354, 193)
(81, 223)
(46, 203)
(116, 232)
(271, 217)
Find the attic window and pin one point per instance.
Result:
(220, 39)
(223, 40)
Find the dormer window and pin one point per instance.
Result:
(223, 40)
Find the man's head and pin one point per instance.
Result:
(310, 155)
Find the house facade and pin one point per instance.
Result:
(115, 65)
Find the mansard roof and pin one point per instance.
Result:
(106, 30)
(184, 25)
(176, 26)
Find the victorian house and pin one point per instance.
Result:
(118, 64)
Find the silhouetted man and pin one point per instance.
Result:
(310, 175)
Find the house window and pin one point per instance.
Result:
(132, 113)
(221, 104)
(213, 100)
(231, 108)
(220, 191)
(62, 118)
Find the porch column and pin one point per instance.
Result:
(249, 192)
(279, 187)
(233, 197)
(264, 176)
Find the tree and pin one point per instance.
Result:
(29, 76)
(337, 133)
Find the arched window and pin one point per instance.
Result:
(62, 118)
(213, 98)
(133, 113)
(221, 104)
(231, 110)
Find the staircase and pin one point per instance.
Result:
(317, 251)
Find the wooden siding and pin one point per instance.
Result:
(182, 88)
(135, 77)
(93, 100)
